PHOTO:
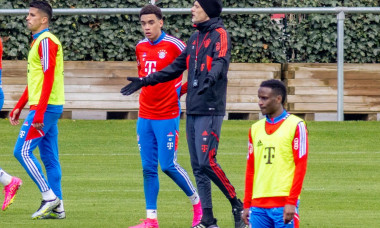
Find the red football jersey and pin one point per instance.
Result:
(160, 101)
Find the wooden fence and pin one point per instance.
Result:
(92, 89)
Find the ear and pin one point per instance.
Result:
(45, 20)
(161, 23)
(279, 99)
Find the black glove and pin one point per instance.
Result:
(208, 82)
(136, 84)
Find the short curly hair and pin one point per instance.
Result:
(151, 9)
(277, 87)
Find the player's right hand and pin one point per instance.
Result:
(245, 216)
(14, 116)
(136, 84)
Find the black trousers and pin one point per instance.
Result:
(203, 139)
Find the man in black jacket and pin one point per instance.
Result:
(206, 57)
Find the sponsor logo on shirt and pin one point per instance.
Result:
(296, 143)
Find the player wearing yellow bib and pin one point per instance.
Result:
(45, 94)
(276, 164)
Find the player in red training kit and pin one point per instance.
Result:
(159, 113)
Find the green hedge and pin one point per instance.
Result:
(255, 38)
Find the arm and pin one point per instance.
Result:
(221, 55)
(221, 58)
(48, 51)
(300, 153)
(15, 114)
(249, 175)
(172, 71)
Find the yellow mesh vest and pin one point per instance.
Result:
(36, 74)
(274, 161)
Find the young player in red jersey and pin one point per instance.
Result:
(206, 57)
(276, 165)
(159, 113)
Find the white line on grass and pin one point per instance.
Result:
(220, 153)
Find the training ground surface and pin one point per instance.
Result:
(102, 176)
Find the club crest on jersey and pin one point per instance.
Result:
(217, 46)
(207, 42)
(162, 54)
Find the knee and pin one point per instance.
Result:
(17, 154)
(149, 171)
(167, 169)
(204, 167)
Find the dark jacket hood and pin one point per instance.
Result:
(209, 25)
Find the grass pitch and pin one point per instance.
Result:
(103, 187)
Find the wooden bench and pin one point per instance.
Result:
(312, 89)
(92, 88)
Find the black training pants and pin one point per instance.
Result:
(203, 138)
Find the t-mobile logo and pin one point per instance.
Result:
(150, 67)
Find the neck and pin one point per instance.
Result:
(276, 114)
(155, 38)
(40, 29)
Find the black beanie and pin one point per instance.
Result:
(213, 8)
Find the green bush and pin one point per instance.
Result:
(255, 38)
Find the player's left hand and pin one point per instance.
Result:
(136, 84)
(245, 216)
(38, 126)
(289, 211)
(207, 83)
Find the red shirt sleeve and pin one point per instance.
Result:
(250, 171)
(300, 153)
(183, 89)
(48, 52)
(21, 102)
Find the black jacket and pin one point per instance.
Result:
(213, 44)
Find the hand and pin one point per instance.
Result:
(136, 84)
(208, 82)
(38, 126)
(289, 211)
(245, 216)
(13, 117)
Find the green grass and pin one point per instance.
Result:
(102, 176)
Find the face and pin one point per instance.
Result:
(151, 26)
(36, 20)
(198, 14)
(269, 103)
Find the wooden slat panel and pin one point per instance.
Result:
(331, 99)
(255, 67)
(332, 67)
(348, 107)
(299, 82)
